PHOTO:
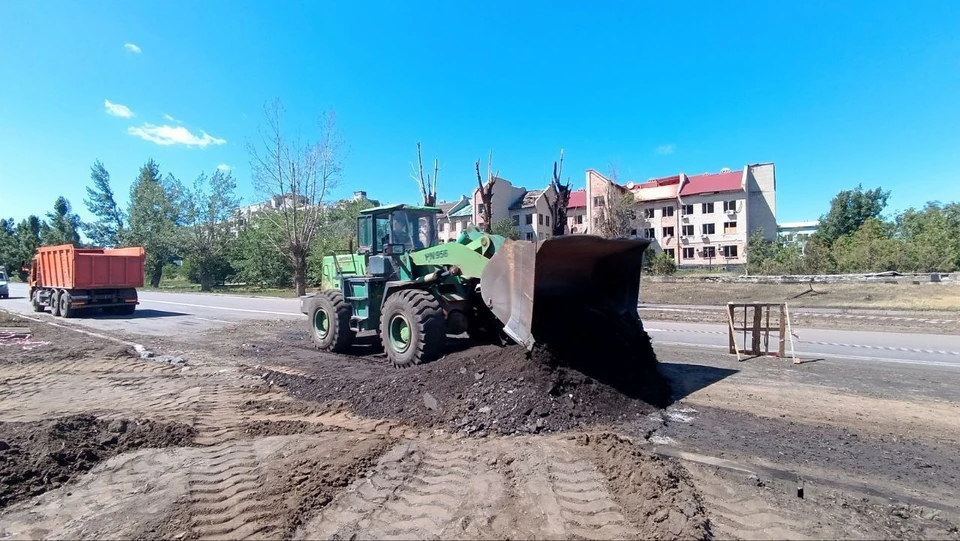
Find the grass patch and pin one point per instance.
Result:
(878, 296)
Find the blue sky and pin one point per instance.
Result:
(833, 93)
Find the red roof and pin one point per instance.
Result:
(578, 199)
(657, 182)
(712, 182)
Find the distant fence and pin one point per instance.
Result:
(879, 277)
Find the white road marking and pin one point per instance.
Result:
(213, 320)
(289, 314)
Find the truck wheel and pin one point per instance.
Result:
(65, 309)
(55, 303)
(330, 322)
(35, 301)
(412, 328)
(125, 310)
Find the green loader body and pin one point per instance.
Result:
(413, 290)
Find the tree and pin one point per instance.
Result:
(254, 257)
(849, 210)
(428, 186)
(64, 225)
(615, 212)
(506, 229)
(662, 264)
(207, 210)
(28, 240)
(154, 216)
(558, 206)
(9, 248)
(486, 193)
(931, 237)
(869, 249)
(108, 228)
(296, 176)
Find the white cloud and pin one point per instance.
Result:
(170, 118)
(665, 149)
(173, 135)
(131, 47)
(223, 167)
(116, 109)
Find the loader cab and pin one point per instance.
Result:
(396, 229)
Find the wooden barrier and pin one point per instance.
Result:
(758, 328)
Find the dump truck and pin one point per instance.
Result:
(69, 280)
(413, 290)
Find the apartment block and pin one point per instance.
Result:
(529, 210)
(455, 217)
(577, 212)
(699, 220)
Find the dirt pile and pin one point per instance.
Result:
(38, 456)
(483, 390)
(656, 494)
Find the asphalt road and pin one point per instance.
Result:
(165, 314)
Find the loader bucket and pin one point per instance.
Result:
(545, 289)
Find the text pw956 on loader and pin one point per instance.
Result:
(564, 292)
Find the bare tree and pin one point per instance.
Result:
(615, 212)
(486, 193)
(295, 175)
(428, 186)
(558, 206)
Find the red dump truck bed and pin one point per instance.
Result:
(67, 267)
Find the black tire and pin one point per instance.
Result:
(66, 311)
(419, 312)
(125, 310)
(37, 307)
(330, 322)
(55, 303)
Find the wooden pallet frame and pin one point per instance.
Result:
(760, 330)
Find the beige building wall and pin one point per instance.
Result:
(504, 195)
(761, 198)
(726, 227)
(576, 220)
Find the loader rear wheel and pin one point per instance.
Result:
(330, 322)
(412, 328)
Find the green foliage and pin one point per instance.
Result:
(931, 237)
(849, 210)
(505, 228)
(9, 247)
(154, 215)
(207, 211)
(28, 240)
(64, 226)
(661, 264)
(108, 228)
(337, 231)
(256, 255)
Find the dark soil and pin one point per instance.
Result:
(39, 456)
(483, 390)
(655, 493)
(263, 429)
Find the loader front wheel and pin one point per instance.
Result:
(412, 328)
(330, 322)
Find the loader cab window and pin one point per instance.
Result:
(415, 230)
(365, 233)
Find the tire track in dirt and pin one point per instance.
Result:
(585, 503)
(224, 494)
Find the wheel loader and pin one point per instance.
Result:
(413, 290)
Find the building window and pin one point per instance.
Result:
(632, 214)
(688, 253)
(671, 253)
(598, 201)
(540, 219)
(580, 219)
(516, 219)
(667, 231)
(529, 219)
(729, 228)
(686, 210)
(480, 208)
(709, 229)
(667, 212)
(649, 233)
(687, 230)
(729, 205)
(529, 235)
(648, 213)
(709, 252)
(548, 220)
(729, 251)
(706, 208)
